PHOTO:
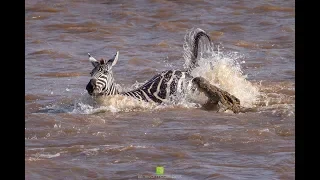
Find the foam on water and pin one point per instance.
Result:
(117, 103)
(88, 105)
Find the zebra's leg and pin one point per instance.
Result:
(218, 98)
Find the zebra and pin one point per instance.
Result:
(158, 89)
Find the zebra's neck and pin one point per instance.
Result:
(112, 90)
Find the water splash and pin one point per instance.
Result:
(221, 69)
(224, 71)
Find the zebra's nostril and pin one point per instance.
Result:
(93, 82)
(95, 91)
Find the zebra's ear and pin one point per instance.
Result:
(93, 61)
(113, 61)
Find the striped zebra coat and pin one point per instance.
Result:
(158, 89)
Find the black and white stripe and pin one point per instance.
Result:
(161, 86)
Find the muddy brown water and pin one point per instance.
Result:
(69, 136)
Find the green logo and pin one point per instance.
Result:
(159, 170)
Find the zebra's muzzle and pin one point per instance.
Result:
(96, 92)
(91, 87)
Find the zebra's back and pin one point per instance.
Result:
(161, 86)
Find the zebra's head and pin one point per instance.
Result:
(102, 82)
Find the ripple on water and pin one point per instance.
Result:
(214, 35)
(259, 45)
(245, 44)
(285, 130)
(163, 44)
(125, 14)
(171, 26)
(270, 8)
(85, 27)
(62, 74)
(233, 28)
(43, 8)
(138, 61)
(51, 53)
(267, 23)
(36, 17)
(163, 13)
(32, 97)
